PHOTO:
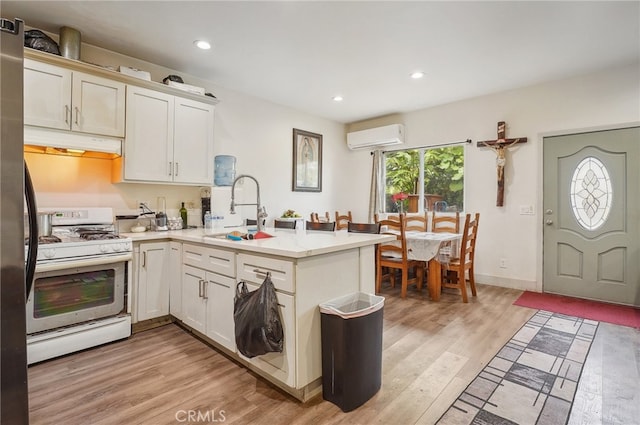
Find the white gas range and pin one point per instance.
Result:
(79, 297)
(80, 234)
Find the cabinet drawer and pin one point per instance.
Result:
(280, 365)
(211, 259)
(253, 268)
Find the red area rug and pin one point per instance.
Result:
(594, 310)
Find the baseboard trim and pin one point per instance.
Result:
(505, 282)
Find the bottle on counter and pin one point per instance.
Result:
(208, 222)
(183, 215)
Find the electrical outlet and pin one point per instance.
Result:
(503, 263)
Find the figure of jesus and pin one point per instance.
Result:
(500, 149)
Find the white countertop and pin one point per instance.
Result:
(284, 243)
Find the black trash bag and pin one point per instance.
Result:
(257, 319)
(38, 40)
(175, 78)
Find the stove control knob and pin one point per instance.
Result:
(49, 253)
(104, 248)
(117, 247)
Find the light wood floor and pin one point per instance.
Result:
(431, 351)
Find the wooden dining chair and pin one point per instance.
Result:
(316, 218)
(416, 222)
(342, 220)
(284, 224)
(377, 217)
(458, 267)
(363, 227)
(324, 226)
(445, 223)
(394, 257)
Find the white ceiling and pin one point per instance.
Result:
(302, 53)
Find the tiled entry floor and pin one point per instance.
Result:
(533, 379)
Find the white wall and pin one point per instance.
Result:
(259, 134)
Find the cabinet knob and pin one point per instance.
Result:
(548, 222)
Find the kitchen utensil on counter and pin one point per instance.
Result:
(44, 223)
(138, 228)
(161, 214)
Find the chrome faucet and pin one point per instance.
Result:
(261, 212)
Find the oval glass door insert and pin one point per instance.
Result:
(591, 193)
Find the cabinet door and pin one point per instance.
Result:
(148, 146)
(193, 142)
(220, 291)
(47, 95)
(97, 105)
(194, 306)
(175, 279)
(153, 287)
(281, 365)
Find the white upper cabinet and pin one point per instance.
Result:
(148, 145)
(60, 98)
(168, 138)
(193, 142)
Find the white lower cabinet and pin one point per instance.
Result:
(209, 279)
(301, 284)
(152, 280)
(208, 289)
(175, 279)
(220, 291)
(194, 305)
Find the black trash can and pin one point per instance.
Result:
(351, 328)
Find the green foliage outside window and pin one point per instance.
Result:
(443, 175)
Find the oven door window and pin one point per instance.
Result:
(72, 292)
(75, 294)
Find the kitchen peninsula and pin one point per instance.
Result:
(191, 278)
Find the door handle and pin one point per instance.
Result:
(67, 111)
(204, 289)
(176, 171)
(77, 114)
(548, 222)
(170, 167)
(200, 287)
(144, 258)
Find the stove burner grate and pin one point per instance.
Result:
(44, 239)
(97, 235)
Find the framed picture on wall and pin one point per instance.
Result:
(307, 161)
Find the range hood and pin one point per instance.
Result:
(48, 141)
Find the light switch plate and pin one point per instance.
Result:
(526, 209)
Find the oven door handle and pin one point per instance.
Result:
(92, 261)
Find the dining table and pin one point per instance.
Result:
(434, 248)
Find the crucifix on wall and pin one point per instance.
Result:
(500, 146)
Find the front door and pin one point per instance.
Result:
(591, 213)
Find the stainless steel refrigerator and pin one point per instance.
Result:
(16, 193)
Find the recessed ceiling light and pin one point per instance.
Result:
(337, 98)
(201, 44)
(417, 75)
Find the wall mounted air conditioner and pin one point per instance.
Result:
(376, 137)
